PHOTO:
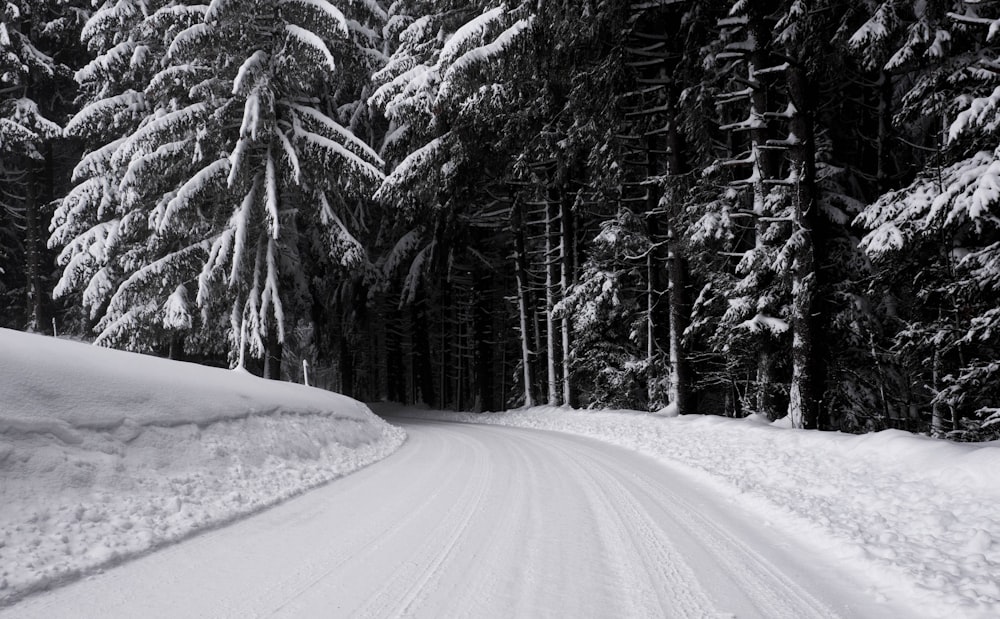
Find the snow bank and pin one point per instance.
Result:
(105, 454)
(918, 517)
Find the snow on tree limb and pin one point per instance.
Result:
(291, 155)
(355, 251)
(400, 252)
(97, 116)
(366, 169)
(409, 167)
(309, 40)
(251, 69)
(136, 172)
(251, 116)
(327, 12)
(16, 134)
(236, 160)
(190, 190)
(271, 193)
(241, 219)
(464, 35)
(270, 298)
(412, 283)
(117, 55)
(96, 161)
(217, 8)
(176, 313)
(190, 38)
(351, 141)
(485, 52)
(388, 94)
(217, 256)
(981, 113)
(172, 123)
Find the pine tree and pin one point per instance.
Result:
(235, 168)
(933, 240)
(103, 241)
(36, 43)
(443, 92)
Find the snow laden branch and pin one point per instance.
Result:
(320, 13)
(410, 168)
(311, 44)
(484, 53)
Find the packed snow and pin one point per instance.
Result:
(917, 517)
(487, 522)
(105, 455)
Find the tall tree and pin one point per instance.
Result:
(235, 168)
(36, 90)
(940, 230)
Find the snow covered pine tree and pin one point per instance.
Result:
(236, 159)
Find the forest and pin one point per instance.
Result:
(732, 207)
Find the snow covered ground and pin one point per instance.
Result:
(106, 455)
(486, 522)
(918, 519)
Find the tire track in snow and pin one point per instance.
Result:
(668, 588)
(471, 521)
(773, 594)
(446, 535)
(373, 537)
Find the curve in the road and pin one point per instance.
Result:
(480, 521)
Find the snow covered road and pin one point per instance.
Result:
(481, 521)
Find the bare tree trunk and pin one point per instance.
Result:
(32, 251)
(806, 387)
(681, 374)
(566, 274)
(937, 409)
(422, 352)
(764, 162)
(654, 265)
(550, 303)
(523, 300)
(272, 354)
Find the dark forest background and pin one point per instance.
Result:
(781, 207)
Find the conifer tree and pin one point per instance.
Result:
(36, 89)
(234, 168)
(939, 231)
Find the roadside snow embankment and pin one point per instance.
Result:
(919, 517)
(106, 455)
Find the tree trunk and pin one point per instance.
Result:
(681, 379)
(805, 391)
(566, 275)
(765, 162)
(484, 342)
(32, 251)
(550, 303)
(523, 300)
(655, 261)
(422, 353)
(272, 354)
(347, 361)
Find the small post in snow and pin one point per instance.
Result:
(55, 333)
(305, 372)
(243, 343)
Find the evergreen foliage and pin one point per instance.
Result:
(37, 49)
(784, 207)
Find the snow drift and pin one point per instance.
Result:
(105, 454)
(918, 517)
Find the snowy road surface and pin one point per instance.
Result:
(480, 521)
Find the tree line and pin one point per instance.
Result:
(780, 207)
